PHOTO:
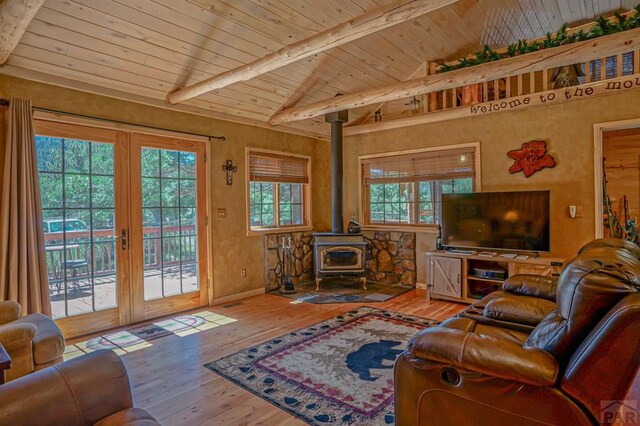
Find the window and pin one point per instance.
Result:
(610, 65)
(407, 189)
(277, 190)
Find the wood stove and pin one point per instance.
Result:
(339, 255)
(336, 253)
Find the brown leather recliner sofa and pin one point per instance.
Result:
(525, 299)
(502, 370)
(89, 390)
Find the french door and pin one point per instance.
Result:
(168, 248)
(124, 224)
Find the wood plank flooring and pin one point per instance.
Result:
(168, 378)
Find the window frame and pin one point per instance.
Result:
(364, 204)
(306, 197)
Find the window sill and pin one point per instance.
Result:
(284, 230)
(401, 228)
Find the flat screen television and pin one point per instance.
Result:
(516, 221)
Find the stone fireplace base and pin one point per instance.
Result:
(301, 258)
(391, 257)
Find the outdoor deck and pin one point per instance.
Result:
(82, 297)
(82, 268)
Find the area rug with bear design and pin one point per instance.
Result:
(337, 372)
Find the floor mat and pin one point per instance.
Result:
(345, 290)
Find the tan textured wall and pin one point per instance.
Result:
(568, 130)
(233, 249)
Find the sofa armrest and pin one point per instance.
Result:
(484, 354)
(83, 390)
(106, 368)
(9, 311)
(527, 310)
(540, 286)
(16, 336)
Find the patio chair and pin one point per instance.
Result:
(75, 266)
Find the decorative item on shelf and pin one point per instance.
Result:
(530, 158)
(470, 95)
(497, 89)
(631, 228)
(354, 225)
(415, 104)
(286, 283)
(230, 169)
(567, 76)
(439, 237)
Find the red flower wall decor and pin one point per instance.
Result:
(531, 157)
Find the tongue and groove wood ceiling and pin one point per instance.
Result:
(140, 50)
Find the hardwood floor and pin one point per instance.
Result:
(169, 380)
(167, 374)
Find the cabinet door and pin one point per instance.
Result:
(446, 276)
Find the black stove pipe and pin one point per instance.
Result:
(337, 213)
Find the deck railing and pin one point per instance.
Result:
(65, 254)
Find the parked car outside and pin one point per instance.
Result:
(57, 225)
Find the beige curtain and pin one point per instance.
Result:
(23, 269)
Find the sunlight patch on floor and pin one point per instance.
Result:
(137, 338)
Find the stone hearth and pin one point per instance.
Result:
(391, 257)
(301, 258)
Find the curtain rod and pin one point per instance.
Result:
(5, 102)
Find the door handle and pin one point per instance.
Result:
(458, 278)
(123, 239)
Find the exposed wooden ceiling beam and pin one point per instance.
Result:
(358, 27)
(421, 71)
(15, 16)
(537, 61)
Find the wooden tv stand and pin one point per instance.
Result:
(458, 277)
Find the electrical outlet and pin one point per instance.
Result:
(243, 273)
(221, 213)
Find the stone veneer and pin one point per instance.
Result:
(391, 257)
(301, 258)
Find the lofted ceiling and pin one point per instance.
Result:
(141, 50)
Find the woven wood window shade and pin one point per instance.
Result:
(424, 166)
(264, 167)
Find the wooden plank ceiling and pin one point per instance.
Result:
(142, 49)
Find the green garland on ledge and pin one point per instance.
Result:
(603, 27)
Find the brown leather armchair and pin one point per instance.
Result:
(583, 352)
(33, 342)
(89, 390)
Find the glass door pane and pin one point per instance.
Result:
(168, 234)
(77, 186)
(170, 237)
